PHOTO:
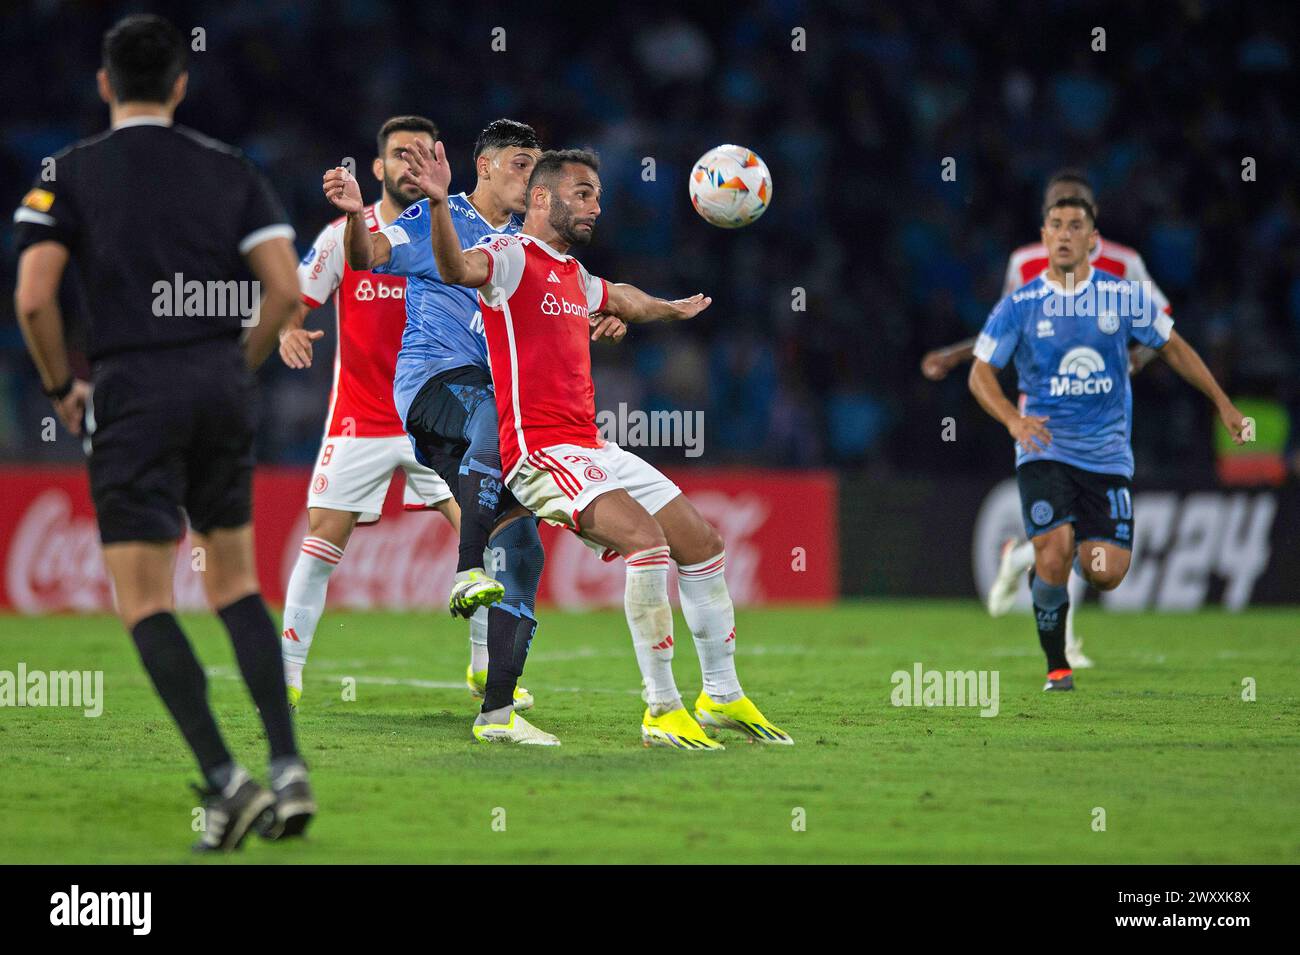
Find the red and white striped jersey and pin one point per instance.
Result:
(535, 305)
(370, 313)
(1030, 261)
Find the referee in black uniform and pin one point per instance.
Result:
(158, 218)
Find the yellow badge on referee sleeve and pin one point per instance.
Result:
(39, 199)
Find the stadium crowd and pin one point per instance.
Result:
(868, 256)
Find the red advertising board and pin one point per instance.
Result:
(780, 530)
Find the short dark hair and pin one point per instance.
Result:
(1076, 202)
(143, 55)
(506, 132)
(553, 161)
(1069, 175)
(404, 124)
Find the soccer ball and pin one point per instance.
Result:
(730, 186)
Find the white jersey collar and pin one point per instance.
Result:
(143, 121)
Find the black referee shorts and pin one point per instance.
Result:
(171, 434)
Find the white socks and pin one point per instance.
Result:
(478, 627)
(650, 618)
(709, 613)
(304, 602)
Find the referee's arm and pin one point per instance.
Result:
(36, 303)
(275, 265)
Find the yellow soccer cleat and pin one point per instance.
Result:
(295, 695)
(675, 728)
(742, 716)
(477, 683)
(514, 730)
(473, 589)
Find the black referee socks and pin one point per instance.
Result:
(170, 662)
(257, 648)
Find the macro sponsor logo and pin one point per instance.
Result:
(1081, 372)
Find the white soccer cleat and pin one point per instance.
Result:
(1002, 595)
(514, 730)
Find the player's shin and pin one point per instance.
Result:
(711, 616)
(304, 602)
(510, 636)
(478, 647)
(650, 618)
(1051, 603)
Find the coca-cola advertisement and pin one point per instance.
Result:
(779, 528)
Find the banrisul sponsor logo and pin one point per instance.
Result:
(130, 909)
(1081, 372)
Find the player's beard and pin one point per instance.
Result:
(402, 196)
(564, 224)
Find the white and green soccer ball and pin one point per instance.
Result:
(730, 186)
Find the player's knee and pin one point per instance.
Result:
(645, 536)
(1054, 568)
(1107, 579)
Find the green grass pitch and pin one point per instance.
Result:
(1158, 736)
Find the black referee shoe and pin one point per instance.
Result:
(231, 813)
(294, 808)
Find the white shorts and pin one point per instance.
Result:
(353, 474)
(556, 483)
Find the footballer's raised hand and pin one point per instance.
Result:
(427, 170)
(341, 188)
(1030, 432)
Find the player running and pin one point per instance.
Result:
(1068, 331)
(537, 302)
(364, 442)
(1026, 264)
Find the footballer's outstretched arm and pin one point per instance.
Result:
(362, 249)
(633, 305)
(1029, 431)
(937, 363)
(1182, 358)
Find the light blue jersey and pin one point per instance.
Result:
(1071, 353)
(444, 329)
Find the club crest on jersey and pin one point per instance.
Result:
(1108, 322)
(412, 212)
(1081, 372)
(1045, 329)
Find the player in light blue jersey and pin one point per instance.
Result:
(1068, 332)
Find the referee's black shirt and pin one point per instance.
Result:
(146, 208)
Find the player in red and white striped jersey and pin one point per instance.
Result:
(1026, 264)
(364, 442)
(537, 303)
